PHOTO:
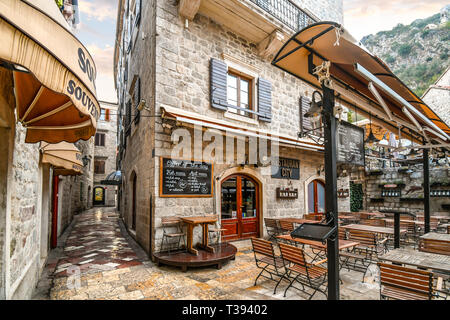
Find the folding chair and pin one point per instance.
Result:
(272, 227)
(171, 230)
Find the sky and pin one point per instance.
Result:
(97, 30)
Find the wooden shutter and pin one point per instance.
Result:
(107, 115)
(218, 87)
(305, 123)
(264, 100)
(137, 100)
(128, 119)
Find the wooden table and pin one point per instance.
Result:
(374, 229)
(436, 236)
(343, 244)
(401, 220)
(298, 220)
(192, 222)
(437, 262)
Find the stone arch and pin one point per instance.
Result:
(305, 188)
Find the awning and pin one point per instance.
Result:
(225, 126)
(54, 74)
(64, 157)
(113, 179)
(355, 73)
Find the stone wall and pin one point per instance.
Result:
(412, 189)
(438, 97)
(107, 152)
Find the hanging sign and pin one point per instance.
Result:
(350, 144)
(287, 194)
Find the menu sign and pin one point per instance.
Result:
(350, 144)
(185, 178)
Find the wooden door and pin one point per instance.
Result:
(240, 207)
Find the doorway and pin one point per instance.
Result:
(316, 197)
(99, 196)
(133, 212)
(240, 207)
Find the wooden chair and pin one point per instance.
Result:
(402, 283)
(172, 230)
(448, 228)
(299, 270)
(433, 224)
(217, 230)
(267, 261)
(342, 234)
(434, 246)
(313, 216)
(272, 227)
(286, 226)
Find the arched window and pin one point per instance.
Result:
(316, 197)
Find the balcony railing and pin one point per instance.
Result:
(286, 12)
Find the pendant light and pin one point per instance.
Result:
(371, 139)
(413, 151)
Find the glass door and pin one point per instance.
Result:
(239, 207)
(316, 197)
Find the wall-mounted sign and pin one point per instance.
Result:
(287, 194)
(350, 144)
(286, 169)
(185, 178)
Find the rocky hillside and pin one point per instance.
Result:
(417, 53)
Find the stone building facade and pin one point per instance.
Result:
(105, 155)
(438, 96)
(179, 46)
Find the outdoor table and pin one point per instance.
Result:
(192, 222)
(298, 220)
(436, 236)
(397, 225)
(401, 220)
(437, 262)
(374, 229)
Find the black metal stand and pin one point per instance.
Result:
(426, 190)
(329, 123)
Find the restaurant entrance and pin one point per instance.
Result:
(240, 207)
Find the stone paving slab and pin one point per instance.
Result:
(120, 274)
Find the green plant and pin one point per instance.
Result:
(356, 196)
(405, 49)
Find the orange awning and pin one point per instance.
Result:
(64, 157)
(54, 75)
(328, 41)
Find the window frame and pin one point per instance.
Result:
(251, 88)
(98, 142)
(103, 166)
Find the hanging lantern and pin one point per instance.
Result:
(371, 139)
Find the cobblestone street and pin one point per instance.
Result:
(100, 261)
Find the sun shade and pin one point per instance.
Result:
(64, 157)
(113, 179)
(350, 71)
(54, 75)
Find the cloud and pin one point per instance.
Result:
(100, 10)
(364, 17)
(103, 58)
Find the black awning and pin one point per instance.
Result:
(113, 179)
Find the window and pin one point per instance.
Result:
(239, 93)
(104, 114)
(100, 139)
(99, 166)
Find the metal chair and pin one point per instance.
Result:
(217, 230)
(172, 230)
(272, 227)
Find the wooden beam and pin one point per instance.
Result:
(188, 8)
(271, 45)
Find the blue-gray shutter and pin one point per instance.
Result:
(218, 84)
(305, 123)
(264, 100)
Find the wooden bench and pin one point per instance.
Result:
(434, 246)
(267, 261)
(299, 270)
(373, 222)
(402, 283)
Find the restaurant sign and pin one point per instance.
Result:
(286, 169)
(350, 144)
(287, 194)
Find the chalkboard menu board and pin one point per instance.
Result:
(350, 144)
(185, 178)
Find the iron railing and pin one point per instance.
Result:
(287, 12)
